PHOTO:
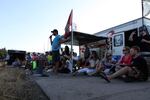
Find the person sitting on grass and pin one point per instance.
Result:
(90, 68)
(137, 71)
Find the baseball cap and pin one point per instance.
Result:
(55, 30)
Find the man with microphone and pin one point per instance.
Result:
(56, 45)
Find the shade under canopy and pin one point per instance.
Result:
(80, 38)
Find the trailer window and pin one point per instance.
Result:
(148, 29)
(118, 40)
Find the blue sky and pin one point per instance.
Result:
(26, 24)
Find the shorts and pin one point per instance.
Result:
(55, 56)
(136, 75)
(134, 72)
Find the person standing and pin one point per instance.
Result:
(143, 41)
(56, 45)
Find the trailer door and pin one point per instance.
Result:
(118, 43)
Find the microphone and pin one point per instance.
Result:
(51, 36)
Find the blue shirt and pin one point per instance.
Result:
(55, 44)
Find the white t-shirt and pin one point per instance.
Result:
(93, 63)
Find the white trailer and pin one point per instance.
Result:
(122, 33)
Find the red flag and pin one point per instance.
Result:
(68, 25)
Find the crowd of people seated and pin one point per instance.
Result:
(130, 67)
(44, 62)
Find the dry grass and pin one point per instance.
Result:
(14, 85)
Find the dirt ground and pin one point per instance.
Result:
(15, 85)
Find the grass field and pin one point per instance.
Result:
(15, 85)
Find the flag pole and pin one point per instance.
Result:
(72, 41)
(142, 13)
(69, 33)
